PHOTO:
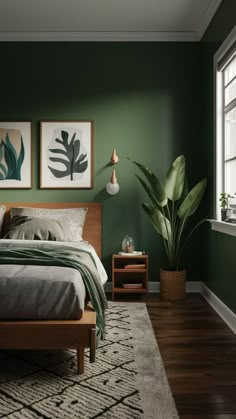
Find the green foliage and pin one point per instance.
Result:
(174, 181)
(224, 199)
(73, 161)
(171, 206)
(11, 168)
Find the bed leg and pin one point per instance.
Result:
(92, 344)
(80, 360)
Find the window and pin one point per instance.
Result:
(225, 119)
(229, 126)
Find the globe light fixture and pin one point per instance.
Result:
(113, 186)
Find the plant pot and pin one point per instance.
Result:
(172, 285)
(226, 213)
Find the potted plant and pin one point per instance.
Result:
(169, 211)
(226, 211)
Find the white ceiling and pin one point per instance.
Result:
(138, 20)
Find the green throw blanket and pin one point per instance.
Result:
(66, 257)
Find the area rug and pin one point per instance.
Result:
(127, 381)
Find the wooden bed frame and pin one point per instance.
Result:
(58, 334)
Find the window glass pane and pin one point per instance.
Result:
(230, 177)
(230, 134)
(230, 92)
(230, 71)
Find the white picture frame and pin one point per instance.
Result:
(66, 149)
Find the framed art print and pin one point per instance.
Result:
(15, 155)
(66, 154)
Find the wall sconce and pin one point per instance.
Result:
(113, 186)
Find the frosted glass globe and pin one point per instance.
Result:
(112, 188)
(127, 244)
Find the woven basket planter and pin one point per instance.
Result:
(172, 285)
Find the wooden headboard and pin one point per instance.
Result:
(92, 226)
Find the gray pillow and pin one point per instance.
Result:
(2, 214)
(73, 219)
(37, 228)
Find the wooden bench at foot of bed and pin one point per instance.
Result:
(52, 334)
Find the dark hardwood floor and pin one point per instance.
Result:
(199, 353)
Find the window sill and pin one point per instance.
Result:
(222, 227)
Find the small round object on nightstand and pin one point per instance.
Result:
(127, 245)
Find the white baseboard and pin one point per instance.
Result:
(191, 286)
(224, 312)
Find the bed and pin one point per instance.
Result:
(59, 333)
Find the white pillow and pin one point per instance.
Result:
(2, 214)
(75, 218)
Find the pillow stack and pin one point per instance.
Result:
(46, 224)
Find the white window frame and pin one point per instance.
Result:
(216, 223)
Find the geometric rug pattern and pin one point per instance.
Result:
(45, 385)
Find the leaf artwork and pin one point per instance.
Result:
(10, 162)
(72, 159)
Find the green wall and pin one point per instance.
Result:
(144, 99)
(151, 101)
(220, 264)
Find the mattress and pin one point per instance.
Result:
(44, 292)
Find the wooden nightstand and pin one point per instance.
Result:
(129, 274)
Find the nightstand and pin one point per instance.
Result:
(129, 274)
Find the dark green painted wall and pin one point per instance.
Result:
(144, 100)
(220, 262)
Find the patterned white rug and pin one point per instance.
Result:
(127, 381)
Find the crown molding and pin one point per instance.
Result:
(207, 18)
(98, 37)
(51, 36)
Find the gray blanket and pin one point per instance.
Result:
(45, 254)
(41, 292)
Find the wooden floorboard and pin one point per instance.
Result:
(199, 354)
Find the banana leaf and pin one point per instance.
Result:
(192, 200)
(158, 220)
(174, 181)
(148, 191)
(155, 184)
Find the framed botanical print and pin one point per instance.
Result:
(15, 155)
(66, 154)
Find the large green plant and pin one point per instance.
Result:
(171, 206)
